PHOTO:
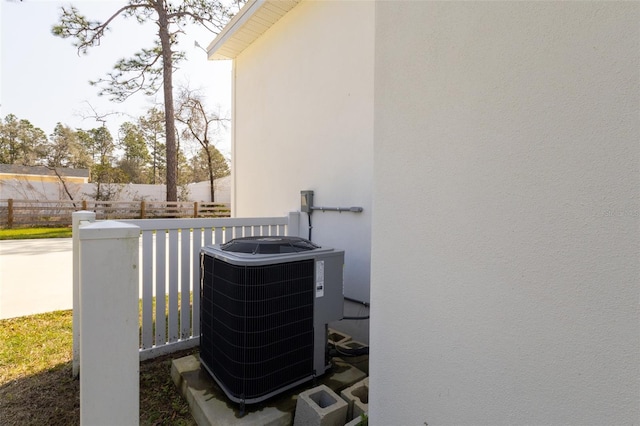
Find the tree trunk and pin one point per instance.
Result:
(211, 187)
(64, 184)
(170, 125)
(211, 179)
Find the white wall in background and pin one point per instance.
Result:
(23, 189)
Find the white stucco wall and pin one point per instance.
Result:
(22, 189)
(26, 189)
(303, 114)
(506, 146)
(222, 190)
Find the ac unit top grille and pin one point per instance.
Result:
(268, 245)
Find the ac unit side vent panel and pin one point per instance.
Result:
(257, 325)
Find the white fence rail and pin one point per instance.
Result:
(169, 263)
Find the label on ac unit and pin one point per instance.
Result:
(319, 278)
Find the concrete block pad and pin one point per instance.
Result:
(355, 422)
(357, 396)
(335, 337)
(209, 405)
(342, 376)
(320, 406)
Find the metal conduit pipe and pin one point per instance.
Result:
(338, 209)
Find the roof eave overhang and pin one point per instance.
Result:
(253, 20)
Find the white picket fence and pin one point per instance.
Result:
(169, 262)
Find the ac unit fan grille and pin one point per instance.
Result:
(257, 325)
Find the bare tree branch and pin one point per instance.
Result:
(100, 118)
(63, 182)
(192, 113)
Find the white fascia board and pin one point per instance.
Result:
(249, 9)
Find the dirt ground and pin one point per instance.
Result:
(53, 397)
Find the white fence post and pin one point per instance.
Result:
(109, 383)
(293, 227)
(76, 218)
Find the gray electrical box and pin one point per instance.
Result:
(306, 201)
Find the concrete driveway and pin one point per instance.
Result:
(35, 276)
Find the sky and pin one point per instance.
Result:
(45, 81)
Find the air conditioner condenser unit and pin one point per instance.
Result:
(265, 306)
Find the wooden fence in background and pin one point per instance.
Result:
(29, 213)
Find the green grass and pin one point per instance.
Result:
(33, 344)
(37, 388)
(32, 233)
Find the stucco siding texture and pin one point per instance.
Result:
(506, 144)
(303, 108)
